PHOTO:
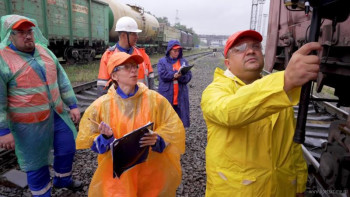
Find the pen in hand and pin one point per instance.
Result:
(98, 124)
(103, 128)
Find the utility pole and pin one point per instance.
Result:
(177, 20)
(260, 7)
(263, 33)
(253, 14)
(264, 25)
(255, 19)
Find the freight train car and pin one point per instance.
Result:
(292, 23)
(165, 34)
(190, 43)
(76, 30)
(288, 30)
(186, 40)
(154, 36)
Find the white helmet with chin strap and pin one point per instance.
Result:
(127, 24)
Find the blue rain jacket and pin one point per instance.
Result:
(166, 86)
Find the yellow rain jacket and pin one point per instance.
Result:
(250, 150)
(161, 174)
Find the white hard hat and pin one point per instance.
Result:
(127, 24)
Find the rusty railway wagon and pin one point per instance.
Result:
(78, 30)
(75, 29)
(293, 23)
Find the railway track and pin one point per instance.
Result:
(321, 126)
(320, 117)
(87, 93)
(65, 63)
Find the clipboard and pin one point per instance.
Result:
(126, 151)
(184, 69)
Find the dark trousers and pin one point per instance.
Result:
(64, 150)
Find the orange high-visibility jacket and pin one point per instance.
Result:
(19, 103)
(176, 66)
(145, 68)
(27, 102)
(160, 175)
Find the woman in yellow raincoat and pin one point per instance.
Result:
(129, 105)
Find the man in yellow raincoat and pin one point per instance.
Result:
(127, 106)
(250, 120)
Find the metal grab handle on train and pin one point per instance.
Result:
(299, 135)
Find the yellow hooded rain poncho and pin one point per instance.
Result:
(160, 175)
(250, 150)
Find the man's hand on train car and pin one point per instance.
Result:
(302, 67)
(7, 142)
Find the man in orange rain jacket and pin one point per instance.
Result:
(128, 30)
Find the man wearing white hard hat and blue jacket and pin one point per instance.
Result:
(128, 35)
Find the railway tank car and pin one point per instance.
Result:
(154, 36)
(290, 24)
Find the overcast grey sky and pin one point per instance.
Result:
(218, 17)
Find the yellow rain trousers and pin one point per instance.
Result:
(250, 150)
(161, 174)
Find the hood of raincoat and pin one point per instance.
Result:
(8, 21)
(171, 44)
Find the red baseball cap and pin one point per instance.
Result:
(22, 24)
(239, 35)
(177, 47)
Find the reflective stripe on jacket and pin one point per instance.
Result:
(160, 175)
(32, 86)
(176, 67)
(30, 99)
(250, 150)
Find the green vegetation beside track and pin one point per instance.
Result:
(82, 73)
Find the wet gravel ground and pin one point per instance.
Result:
(193, 161)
